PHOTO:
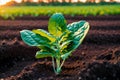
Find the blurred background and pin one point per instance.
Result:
(10, 8)
(13, 2)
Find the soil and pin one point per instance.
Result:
(97, 58)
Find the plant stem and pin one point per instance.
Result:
(62, 63)
(58, 65)
(57, 68)
(53, 63)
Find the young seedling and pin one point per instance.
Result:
(59, 42)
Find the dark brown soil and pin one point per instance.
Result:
(98, 58)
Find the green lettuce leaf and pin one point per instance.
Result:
(57, 24)
(33, 39)
(78, 32)
(42, 54)
(45, 34)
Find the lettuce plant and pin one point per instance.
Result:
(59, 42)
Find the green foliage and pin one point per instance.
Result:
(42, 54)
(12, 12)
(45, 34)
(62, 40)
(57, 24)
(78, 32)
(33, 39)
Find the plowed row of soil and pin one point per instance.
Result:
(110, 17)
(31, 24)
(94, 36)
(98, 58)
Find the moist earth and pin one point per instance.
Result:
(97, 58)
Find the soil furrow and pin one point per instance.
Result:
(8, 48)
(19, 25)
(102, 39)
(94, 36)
(16, 28)
(110, 27)
(110, 17)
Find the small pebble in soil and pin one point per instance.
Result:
(80, 78)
